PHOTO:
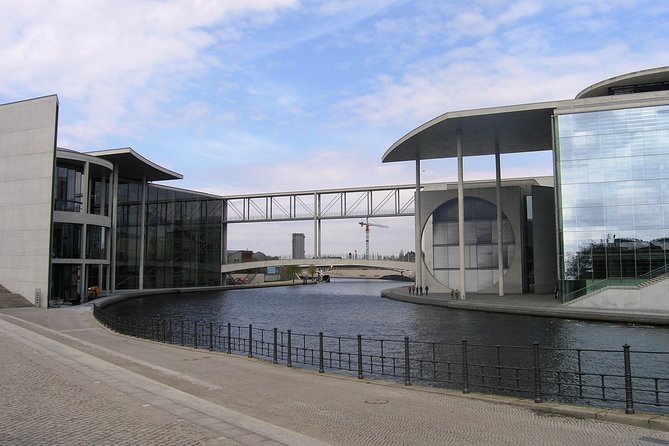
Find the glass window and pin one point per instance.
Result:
(67, 187)
(66, 241)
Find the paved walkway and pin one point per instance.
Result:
(66, 380)
(527, 304)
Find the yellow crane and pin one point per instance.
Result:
(366, 224)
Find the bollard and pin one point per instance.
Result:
(290, 359)
(629, 397)
(537, 373)
(360, 357)
(250, 341)
(465, 368)
(274, 359)
(229, 337)
(321, 369)
(407, 362)
(211, 336)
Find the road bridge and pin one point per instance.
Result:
(393, 265)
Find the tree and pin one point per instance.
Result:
(291, 271)
(312, 271)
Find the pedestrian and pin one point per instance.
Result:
(409, 289)
(426, 289)
(420, 290)
(452, 294)
(413, 289)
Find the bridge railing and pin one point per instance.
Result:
(615, 378)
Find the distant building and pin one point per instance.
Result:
(240, 256)
(298, 246)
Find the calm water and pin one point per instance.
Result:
(343, 309)
(352, 307)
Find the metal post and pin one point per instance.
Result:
(537, 373)
(465, 368)
(211, 336)
(229, 337)
(629, 397)
(250, 341)
(407, 362)
(274, 360)
(320, 353)
(359, 356)
(290, 354)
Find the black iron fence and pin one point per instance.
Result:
(622, 378)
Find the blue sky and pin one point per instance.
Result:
(284, 95)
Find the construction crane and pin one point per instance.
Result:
(366, 225)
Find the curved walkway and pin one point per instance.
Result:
(526, 304)
(67, 380)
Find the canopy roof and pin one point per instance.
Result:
(133, 166)
(517, 128)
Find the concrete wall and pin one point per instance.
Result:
(545, 248)
(652, 298)
(27, 151)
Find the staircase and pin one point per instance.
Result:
(11, 300)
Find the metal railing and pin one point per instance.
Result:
(622, 378)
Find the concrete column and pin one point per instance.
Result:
(142, 233)
(224, 236)
(498, 190)
(461, 216)
(114, 222)
(316, 234)
(418, 227)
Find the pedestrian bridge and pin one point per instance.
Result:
(393, 265)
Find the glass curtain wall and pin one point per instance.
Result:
(183, 239)
(481, 259)
(128, 234)
(68, 194)
(613, 169)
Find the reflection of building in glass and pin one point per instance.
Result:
(610, 148)
(298, 246)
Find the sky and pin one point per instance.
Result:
(260, 96)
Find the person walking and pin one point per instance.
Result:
(426, 290)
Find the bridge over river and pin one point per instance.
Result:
(393, 265)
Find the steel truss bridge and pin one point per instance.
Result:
(364, 202)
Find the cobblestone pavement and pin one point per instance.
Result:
(90, 382)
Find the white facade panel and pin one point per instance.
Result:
(27, 152)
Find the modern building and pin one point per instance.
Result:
(610, 148)
(596, 232)
(298, 246)
(75, 222)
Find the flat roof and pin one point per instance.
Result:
(650, 76)
(517, 128)
(133, 166)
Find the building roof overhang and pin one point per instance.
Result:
(650, 76)
(516, 128)
(133, 166)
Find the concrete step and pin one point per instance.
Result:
(12, 300)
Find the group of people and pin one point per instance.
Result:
(419, 290)
(455, 293)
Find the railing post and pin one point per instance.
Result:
(195, 335)
(229, 337)
(321, 369)
(537, 373)
(360, 357)
(407, 362)
(465, 368)
(274, 359)
(629, 397)
(211, 336)
(290, 354)
(250, 340)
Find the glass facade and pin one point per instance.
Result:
(68, 192)
(182, 238)
(613, 177)
(481, 259)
